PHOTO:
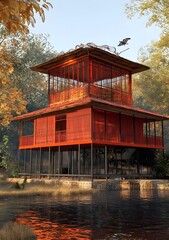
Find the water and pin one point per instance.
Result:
(104, 215)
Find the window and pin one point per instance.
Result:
(60, 123)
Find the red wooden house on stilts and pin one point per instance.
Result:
(90, 127)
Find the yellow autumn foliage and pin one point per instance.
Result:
(17, 15)
(11, 99)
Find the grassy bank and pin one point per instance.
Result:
(36, 188)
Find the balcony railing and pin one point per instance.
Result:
(83, 91)
(61, 136)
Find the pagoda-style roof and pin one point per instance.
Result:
(94, 52)
(92, 102)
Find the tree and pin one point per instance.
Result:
(157, 12)
(31, 84)
(155, 9)
(11, 100)
(155, 81)
(17, 15)
(156, 56)
(152, 87)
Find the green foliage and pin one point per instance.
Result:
(162, 165)
(32, 85)
(156, 10)
(4, 153)
(15, 173)
(151, 88)
(16, 185)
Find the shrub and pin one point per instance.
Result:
(162, 165)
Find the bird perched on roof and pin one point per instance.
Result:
(124, 41)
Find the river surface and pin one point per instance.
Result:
(103, 215)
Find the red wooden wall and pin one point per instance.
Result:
(44, 130)
(79, 125)
(100, 126)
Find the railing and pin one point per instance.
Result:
(61, 136)
(80, 92)
(129, 139)
(72, 94)
(110, 95)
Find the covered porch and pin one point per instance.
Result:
(84, 161)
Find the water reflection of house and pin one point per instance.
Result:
(49, 229)
(90, 127)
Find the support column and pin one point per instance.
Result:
(19, 159)
(25, 160)
(54, 163)
(72, 153)
(91, 155)
(105, 159)
(120, 136)
(48, 88)
(40, 159)
(30, 161)
(146, 133)
(59, 162)
(69, 158)
(134, 128)
(162, 125)
(49, 163)
(155, 141)
(79, 160)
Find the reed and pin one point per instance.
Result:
(16, 231)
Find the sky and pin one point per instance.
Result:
(103, 22)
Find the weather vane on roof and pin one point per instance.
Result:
(104, 47)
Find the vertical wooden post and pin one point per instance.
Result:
(68, 162)
(72, 153)
(146, 133)
(92, 124)
(79, 160)
(155, 140)
(91, 155)
(120, 132)
(90, 76)
(25, 158)
(105, 159)
(162, 125)
(105, 129)
(48, 88)
(19, 159)
(130, 87)
(30, 161)
(49, 162)
(59, 162)
(40, 159)
(36, 167)
(54, 163)
(134, 128)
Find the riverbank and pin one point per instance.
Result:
(54, 187)
(9, 188)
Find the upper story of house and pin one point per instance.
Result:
(89, 71)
